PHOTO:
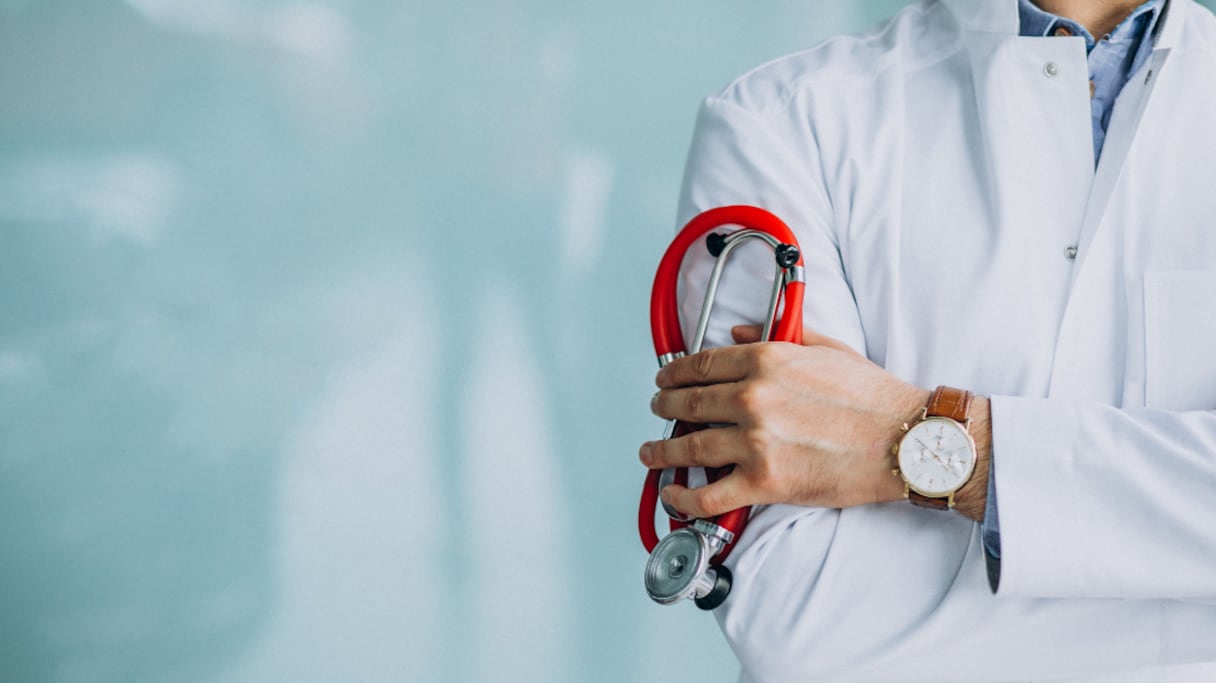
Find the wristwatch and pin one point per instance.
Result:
(937, 455)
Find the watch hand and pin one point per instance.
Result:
(931, 452)
(960, 462)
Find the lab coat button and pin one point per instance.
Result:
(1051, 69)
(1070, 253)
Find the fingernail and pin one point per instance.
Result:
(666, 496)
(646, 454)
(654, 402)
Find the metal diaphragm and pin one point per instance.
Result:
(676, 565)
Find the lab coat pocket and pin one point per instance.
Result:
(1180, 339)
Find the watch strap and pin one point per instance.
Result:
(950, 403)
(923, 501)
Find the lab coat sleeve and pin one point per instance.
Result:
(1103, 502)
(882, 592)
(735, 160)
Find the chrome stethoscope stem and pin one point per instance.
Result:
(722, 252)
(728, 245)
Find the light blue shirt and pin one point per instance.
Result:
(1112, 59)
(1112, 62)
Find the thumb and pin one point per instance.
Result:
(812, 338)
(747, 334)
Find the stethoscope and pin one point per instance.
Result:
(687, 563)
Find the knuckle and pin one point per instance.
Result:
(750, 398)
(695, 404)
(702, 364)
(757, 443)
(709, 500)
(694, 451)
(766, 355)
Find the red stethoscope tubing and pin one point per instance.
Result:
(669, 339)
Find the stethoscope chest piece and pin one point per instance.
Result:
(678, 567)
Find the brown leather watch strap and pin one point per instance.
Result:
(927, 502)
(950, 402)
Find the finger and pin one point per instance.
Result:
(746, 334)
(724, 495)
(701, 405)
(704, 448)
(711, 366)
(812, 338)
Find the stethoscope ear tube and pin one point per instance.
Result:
(665, 305)
(788, 285)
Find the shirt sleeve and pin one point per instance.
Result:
(892, 592)
(990, 531)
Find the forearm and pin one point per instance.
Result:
(922, 573)
(894, 593)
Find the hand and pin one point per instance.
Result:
(809, 425)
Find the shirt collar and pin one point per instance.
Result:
(1001, 17)
(1036, 22)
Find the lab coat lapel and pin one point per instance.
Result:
(1087, 363)
(1127, 118)
(1033, 111)
(1035, 127)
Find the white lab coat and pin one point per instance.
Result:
(936, 170)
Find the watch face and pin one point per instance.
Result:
(936, 456)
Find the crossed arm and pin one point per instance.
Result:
(809, 425)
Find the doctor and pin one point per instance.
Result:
(992, 201)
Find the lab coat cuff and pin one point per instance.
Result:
(1032, 459)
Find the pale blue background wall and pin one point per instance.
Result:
(323, 346)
